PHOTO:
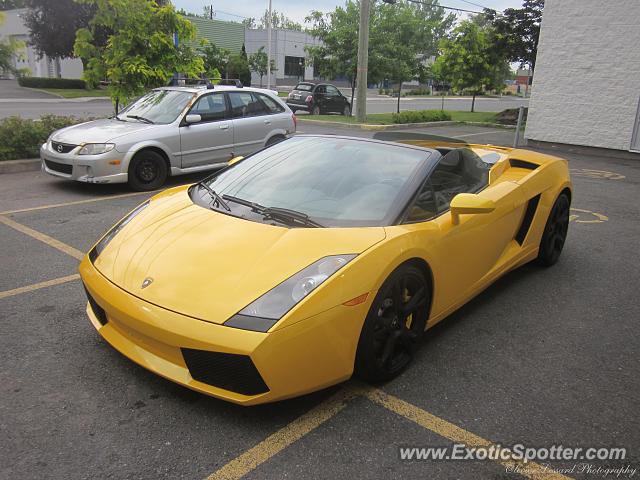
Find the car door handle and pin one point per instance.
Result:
(224, 127)
(267, 122)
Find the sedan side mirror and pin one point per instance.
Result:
(468, 203)
(192, 118)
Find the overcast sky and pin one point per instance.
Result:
(298, 9)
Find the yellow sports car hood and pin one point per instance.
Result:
(209, 265)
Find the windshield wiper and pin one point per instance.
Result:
(284, 215)
(215, 197)
(291, 217)
(138, 117)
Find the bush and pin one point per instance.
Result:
(22, 138)
(420, 116)
(44, 82)
(420, 91)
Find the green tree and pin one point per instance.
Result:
(402, 36)
(258, 63)
(215, 58)
(9, 48)
(517, 31)
(469, 61)
(53, 25)
(337, 55)
(140, 52)
(278, 20)
(406, 35)
(238, 67)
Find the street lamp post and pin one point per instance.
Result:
(269, 48)
(363, 61)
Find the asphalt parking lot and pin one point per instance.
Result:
(543, 357)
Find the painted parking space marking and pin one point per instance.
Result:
(579, 215)
(290, 433)
(591, 173)
(306, 423)
(456, 434)
(38, 286)
(52, 242)
(75, 202)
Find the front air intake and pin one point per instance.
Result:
(228, 371)
(98, 311)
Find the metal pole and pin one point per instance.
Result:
(363, 61)
(516, 140)
(269, 48)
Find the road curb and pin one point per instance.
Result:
(402, 126)
(17, 166)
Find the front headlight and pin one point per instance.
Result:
(102, 244)
(263, 313)
(96, 148)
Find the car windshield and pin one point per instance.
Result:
(157, 106)
(306, 87)
(334, 181)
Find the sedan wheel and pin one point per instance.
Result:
(555, 232)
(147, 171)
(394, 325)
(347, 111)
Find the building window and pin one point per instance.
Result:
(294, 66)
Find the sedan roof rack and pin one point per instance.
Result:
(205, 82)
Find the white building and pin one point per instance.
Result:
(14, 26)
(586, 86)
(288, 53)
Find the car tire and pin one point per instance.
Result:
(346, 112)
(273, 140)
(147, 171)
(555, 232)
(394, 325)
(315, 110)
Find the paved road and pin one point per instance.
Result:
(103, 108)
(543, 357)
(10, 89)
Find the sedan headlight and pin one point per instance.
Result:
(96, 148)
(263, 313)
(102, 244)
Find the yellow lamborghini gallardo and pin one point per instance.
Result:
(317, 258)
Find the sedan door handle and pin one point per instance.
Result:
(224, 127)
(267, 122)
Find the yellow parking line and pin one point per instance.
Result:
(278, 441)
(52, 242)
(37, 286)
(76, 202)
(456, 434)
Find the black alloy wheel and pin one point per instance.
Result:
(555, 232)
(147, 171)
(394, 325)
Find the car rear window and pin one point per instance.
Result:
(305, 87)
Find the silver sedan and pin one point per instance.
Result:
(169, 131)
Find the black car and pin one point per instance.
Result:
(318, 99)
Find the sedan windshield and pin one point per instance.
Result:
(157, 106)
(332, 181)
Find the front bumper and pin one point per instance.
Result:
(306, 356)
(84, 168)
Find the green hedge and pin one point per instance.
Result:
(22, 138)
(420, 116)
(44, 82)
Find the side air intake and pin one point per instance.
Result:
(532, 206)
(515, 163)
